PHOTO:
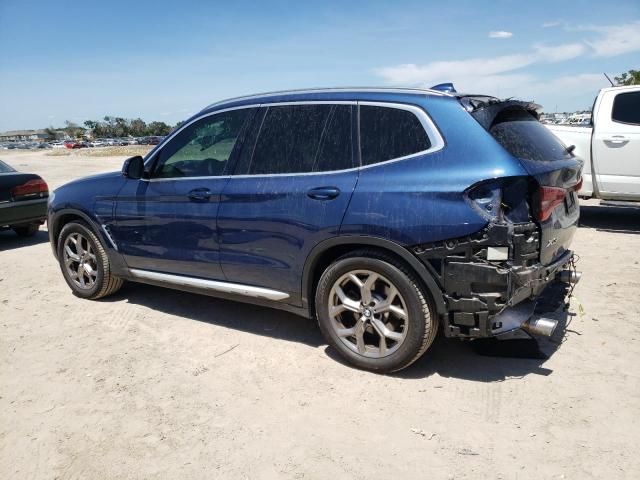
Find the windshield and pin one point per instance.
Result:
(4, 168)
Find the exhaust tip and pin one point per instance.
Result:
(570, 276)
(540, 326)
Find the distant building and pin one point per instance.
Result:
(23, 136)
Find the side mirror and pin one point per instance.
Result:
(133, 167)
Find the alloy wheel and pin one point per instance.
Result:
(80, 261)
(368, 314)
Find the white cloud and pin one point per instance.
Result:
(440, 71)
(504, 76)
(613, 39)
(434, 72)
(559, 53)
(551, 24)
(500, 34)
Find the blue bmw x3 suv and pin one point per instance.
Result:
(387, 214)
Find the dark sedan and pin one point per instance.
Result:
(23, 201)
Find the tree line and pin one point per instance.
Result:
(111, 127)
(632, 77)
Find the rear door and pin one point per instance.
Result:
(292, 184)
(616, 144)
(167, 223)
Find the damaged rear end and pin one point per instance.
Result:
(492, 279)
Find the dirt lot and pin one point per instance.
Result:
(154, 383)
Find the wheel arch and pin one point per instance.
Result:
(65, 216)
(323, 254)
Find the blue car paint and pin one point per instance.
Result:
(158, 227)
(268, 225)
(260, 231)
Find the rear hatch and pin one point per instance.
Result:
(557, 173)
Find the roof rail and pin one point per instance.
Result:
(425, 91)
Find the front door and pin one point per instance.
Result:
(167, 222)
(616, 144)
(292, 184)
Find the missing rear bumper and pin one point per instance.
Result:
(488, 298)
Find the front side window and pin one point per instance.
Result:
(301, 139)
(626, 108)
(387, 133)
(203, 148)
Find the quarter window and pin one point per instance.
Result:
(301, 138)
(626, 108)
(203, 148)
(387, 133)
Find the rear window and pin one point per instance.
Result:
(387, 133)
(626, 108)
(522, 135)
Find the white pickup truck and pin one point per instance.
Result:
(610, 147)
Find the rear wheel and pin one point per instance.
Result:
(84, 262)
(27, 230)
(374, 312)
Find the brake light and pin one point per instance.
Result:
(548, 199)
(32, 188)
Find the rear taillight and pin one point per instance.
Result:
(36, 188)
(548, 199)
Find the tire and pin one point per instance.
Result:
(27, 230)
(96, 274)
(396, 298)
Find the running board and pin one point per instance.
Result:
(224, 287)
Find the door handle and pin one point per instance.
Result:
(617, 139)
(323, 193)
(200, 194)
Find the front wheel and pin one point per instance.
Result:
(374, 312)
(84, 262)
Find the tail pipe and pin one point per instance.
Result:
(570, 276)
(540, 326)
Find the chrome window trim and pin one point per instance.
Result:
(435, 138)
(215, 285)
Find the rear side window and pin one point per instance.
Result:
(301, 139)
(387, 133)
(626, 108)
(522, 135)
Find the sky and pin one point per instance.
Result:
(78, 60)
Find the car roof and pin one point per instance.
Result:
(620, 88)
(319, 94)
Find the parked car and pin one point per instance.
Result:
(610, 145)
(383, 213)
(23, 201)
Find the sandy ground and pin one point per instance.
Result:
(154, 383)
